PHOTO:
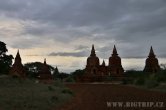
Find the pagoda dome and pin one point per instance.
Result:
(93, 61)
(114, 59)
(151, 64)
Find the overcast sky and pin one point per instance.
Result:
(69, 27)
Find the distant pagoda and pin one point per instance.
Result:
(151, 64)
(44, 73)
(96, 72)
(93, 63)
(115, 66)
(17, 68)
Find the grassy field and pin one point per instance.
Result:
(17, 94)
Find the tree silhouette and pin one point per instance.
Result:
(5, 60)
(56, 73)
(33, 68)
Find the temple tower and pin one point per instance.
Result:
(115, 66)
(17, 68)
(151, 64)
(93, 63)
(45, 73)
(104, 69)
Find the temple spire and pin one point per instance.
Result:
(18, 57)
(45, 61)
(151, 53)
(103, 64)
(93, 51)
(18, 51)
(114, 51)
(18, 54)
(17, 68)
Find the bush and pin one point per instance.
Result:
(151, 83)
(67, 91)
(139, 81)
(109, 78)
(50, 88)
(70, 79)
(161, 76)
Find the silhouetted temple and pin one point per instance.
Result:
(151, 64)
(17, 68)
(115, 66)
(44, 73)
(96, 72)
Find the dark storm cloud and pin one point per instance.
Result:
(133, 25)
(72, 54)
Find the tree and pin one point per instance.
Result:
(33, 68)
(62, 75)
(163, 66)
(55, 73)
(5, 60)
(78, 73)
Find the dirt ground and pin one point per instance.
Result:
(99, 96)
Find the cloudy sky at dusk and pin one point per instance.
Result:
(64, 30)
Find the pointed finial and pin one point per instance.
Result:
(151, 53)
(93, 47)
(93, 51)
(103, 64)
(45, 61)
(114, 51)
(18, 54)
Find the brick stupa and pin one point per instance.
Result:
(115, 66)
(17, 68)
(151, 64)
(96, 72)
(44, 73)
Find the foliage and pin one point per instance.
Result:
(77, 73)
(139, 81)
(62, 76)
(148, 80)
(70, 79)
(67, 91)
(25, 94)
(150, 83)
(5, 60)
(161, 76)
(163, 66)
(33, 68)
(134, 77)
(55, 73)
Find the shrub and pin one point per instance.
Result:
(139, 81)
(150, 83)
(54, 98)
(67, 91)
(161, 76)
(70, 79)
(128, 80)
(50, 88)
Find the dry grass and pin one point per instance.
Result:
(19, 94)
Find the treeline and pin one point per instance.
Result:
(5, 60)
(148, 80)
(32, 69)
